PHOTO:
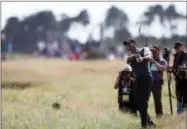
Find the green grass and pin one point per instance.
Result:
(84, 89)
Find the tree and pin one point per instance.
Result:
(82, 17)
(122, 34)
(66, 21)
(169, 15)
(172, 16)
(151, 13)
(64, 24)
(12, 27)
(40, 26)
(118, 20)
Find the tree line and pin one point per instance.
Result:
(43, 26)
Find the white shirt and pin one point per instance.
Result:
(147, 53)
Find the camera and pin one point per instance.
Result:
(166, 50)
(166, 54)
(124, 73)
(181, 71)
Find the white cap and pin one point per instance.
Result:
(127, 68)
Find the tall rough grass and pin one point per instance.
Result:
(84, 90)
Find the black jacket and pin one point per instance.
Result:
(178, 60)
(129, 86)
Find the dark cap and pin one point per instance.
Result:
(177, 44)
(156, 47)
(131, 40)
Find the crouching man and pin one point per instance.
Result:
(124, 84)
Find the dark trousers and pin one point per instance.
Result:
(142, 91)
(157, 95)
(129, 105)
(181, 91)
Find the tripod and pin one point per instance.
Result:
(169, 77)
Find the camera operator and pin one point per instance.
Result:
(139, 60)
(179, 71)
(166, 54)
(124, 84)
(158, 66)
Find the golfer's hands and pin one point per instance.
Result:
(132, 58)
(140, 59)
(135, 55)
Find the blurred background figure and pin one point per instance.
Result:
(166, 54)
(41, 47)
(6, 47)
(10, 47)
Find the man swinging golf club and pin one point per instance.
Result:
(140, 61)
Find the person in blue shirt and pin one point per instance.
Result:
(158, 66)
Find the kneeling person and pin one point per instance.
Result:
(124, 84)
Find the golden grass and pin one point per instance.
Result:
(84, 89)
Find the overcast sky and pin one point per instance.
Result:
(97, 12)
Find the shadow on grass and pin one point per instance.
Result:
(15, 85)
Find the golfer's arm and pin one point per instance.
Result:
(147, 54)
(130, 59)
(147, 58)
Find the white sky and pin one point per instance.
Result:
(97, 12)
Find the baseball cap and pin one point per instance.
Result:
(177, 44)
(127, 68)
(156, 47)
(130, 40)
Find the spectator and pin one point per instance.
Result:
(41, 47)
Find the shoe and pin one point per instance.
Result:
(144, 127)
(159, 115)
(152, 124)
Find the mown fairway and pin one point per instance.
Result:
(84, 89)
